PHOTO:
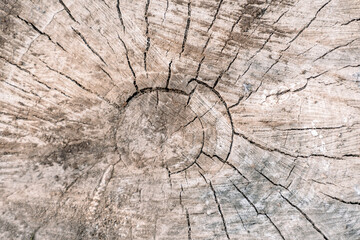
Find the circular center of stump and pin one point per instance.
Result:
(157, 129)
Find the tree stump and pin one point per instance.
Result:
(180, 119)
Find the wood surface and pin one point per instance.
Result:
(176, 119)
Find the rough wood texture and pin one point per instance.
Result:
(164, 119)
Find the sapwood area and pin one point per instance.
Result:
(162, 119)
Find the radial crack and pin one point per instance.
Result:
(272, 65)
(34, 27)
(291, 170)
(68, 11)
(350, 66)
(262, 46)
(169, 173)
(246, 198)
(330, 51)
(199, 67)
(86, 43)
(341, 200)
(107, 74)
(190, 95)
(257, 211)
(232, 29)
(34, 76)
(277, 20)
(25, 70)
(180, 197)
(307, 81)
(226, 70)
(286, 153)
(189, 224)
(242, 222)
(219, 209)
(352, 20)
(216, 13)
(83, 87)
(169, 75)
(23, 90)
(242, 74)
(188, 21)
(268, 179)
(129, 63)
(41, 33)
(237, 170)
(190, 122)
(309, 23)
(167, 7)
(311, 128)
(237, 103)
(306, 216)
(120, 14)
(272, 223)
(202, 175)
(206, 44)
(146, 16)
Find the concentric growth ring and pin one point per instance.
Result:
(170, 128)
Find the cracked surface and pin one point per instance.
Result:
(156, 131)
(179, 119)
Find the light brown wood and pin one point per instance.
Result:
(162, 119)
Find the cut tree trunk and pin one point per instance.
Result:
(163, 119)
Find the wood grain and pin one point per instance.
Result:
(184, 119)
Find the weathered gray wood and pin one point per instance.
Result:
(162, 119)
